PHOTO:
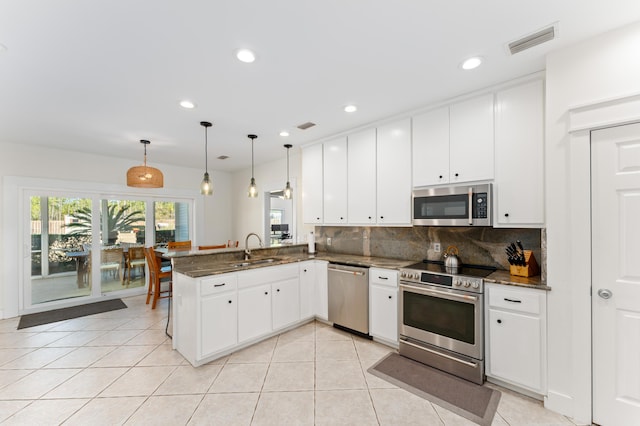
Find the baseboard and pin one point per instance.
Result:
(515, 388)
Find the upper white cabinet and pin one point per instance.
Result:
(519, 183)
(312, 184)
(335, 181)
(454, 144)
(361, 170)
(431, 147)
(393, 201)
(471, 140)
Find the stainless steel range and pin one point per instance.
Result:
(441, 317)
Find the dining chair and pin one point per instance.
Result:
(219, 246)
(179, 245)
(156, 275)
(134, 258)
(111, 261)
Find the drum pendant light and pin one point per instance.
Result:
(206, 187)
(253, 189)
(288, 191)
(145, 176)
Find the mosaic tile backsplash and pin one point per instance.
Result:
(476, 245)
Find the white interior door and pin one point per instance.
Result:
(615, 163)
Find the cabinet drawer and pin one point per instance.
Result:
(386, 277)
(515, 300)
(267, 274)
(218, 284)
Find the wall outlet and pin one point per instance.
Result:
(436, 247)
(328, 241)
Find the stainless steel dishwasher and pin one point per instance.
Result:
(349, 297)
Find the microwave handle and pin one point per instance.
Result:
(470, 206)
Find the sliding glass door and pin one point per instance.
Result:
(85, 247)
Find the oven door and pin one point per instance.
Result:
(448, 319)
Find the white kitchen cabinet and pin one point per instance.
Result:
(321, 305)
(393, 174)
(471, 140)
(515, 337)
(312, 193)
(307, 271)
(335, 181)
(285, 299)
(383, 305)
(430, 151)
(204, 315)
(254, 312)
(361, 179)
(519, 142)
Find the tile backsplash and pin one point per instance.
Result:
(476, 245)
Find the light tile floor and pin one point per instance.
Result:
(118, 368)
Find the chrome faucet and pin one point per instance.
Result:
(247, 252)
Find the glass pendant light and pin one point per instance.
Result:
(288, 191)
(145, 176)
(206, 187)
(253, 189)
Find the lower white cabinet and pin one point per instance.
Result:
(285, 299)
(383, 305)
(321, 304)
(254, 312)
(217, 332)
(515, 337)
(307, 288)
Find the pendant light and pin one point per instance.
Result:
(145, 176)
(206, 187)
(253, 190)
(288, 191)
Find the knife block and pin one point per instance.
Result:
(529, 270)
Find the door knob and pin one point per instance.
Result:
(605, 293)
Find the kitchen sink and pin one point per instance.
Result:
(254, 262)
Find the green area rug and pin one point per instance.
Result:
(56, 315)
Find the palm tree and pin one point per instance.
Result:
(119, 219)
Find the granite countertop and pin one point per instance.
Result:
(230, 263)
(504, 277)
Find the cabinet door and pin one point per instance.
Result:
(519, 189)
(335, 181)
(431, 147)
(515, 351)
(322, 290)
(286, 303)
(312, 184)
(254, 312)
(307, 289)
(393, 205)
(471, 140)
(361, 179)
(384, 312)
(218, 324)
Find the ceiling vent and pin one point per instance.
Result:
(305, 126)
(223, 157)
(532, 40)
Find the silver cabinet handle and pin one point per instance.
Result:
(605, 293)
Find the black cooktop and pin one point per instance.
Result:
(437, 267)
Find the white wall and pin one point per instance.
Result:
(249, 212)
(213, 225)
(604, 67)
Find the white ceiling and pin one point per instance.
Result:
(98, 76)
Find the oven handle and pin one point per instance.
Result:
(470, 206)
(442, 293)
(470, 364)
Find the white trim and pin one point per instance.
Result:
(14, 189)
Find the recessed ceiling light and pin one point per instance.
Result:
(284, 133)
(245, 55)
(350, 108)
(187, 104)
(471, 63)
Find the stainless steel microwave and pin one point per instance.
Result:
(464, 205)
